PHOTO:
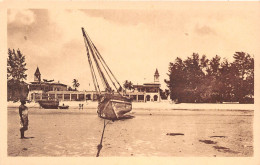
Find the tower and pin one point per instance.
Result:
(37, 75)
(156, 76)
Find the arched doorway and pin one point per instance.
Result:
(155, 98)
(148, 98)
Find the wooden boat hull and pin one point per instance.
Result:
(114, 109)
(49, 104)
(64, 107)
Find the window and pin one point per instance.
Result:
(73, 97)
(81, 97)
(148, 98)
(155, 98)
(88, 97)
(52, 96)
(59, 96)
(140, 97)
(45, 96)
(66, 96)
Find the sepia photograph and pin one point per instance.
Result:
(135, 80)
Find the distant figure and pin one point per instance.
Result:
(23, 112)
(79, 106)
(82, 106)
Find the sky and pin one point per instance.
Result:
(134, 42)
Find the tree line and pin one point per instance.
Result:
(202, 80)
(17, 88)
(193, 80)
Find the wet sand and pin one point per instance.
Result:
(73, 132)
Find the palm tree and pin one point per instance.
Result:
(128, 85)
(75, 84)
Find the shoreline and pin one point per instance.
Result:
(153, 106)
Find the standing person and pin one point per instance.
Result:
(23, 112)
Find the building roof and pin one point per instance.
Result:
(49, 83)
(148, 85)
(37, 71)
(156, 72)
(156, 84)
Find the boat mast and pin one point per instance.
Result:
(94, 77)
(98, 59)
(101, 74)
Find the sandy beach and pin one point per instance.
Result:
(73, 132)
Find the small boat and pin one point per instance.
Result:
(49, 104)
(63, 107)
(113, 107)
(112, 103)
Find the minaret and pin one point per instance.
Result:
(37, 75)
(156, 76)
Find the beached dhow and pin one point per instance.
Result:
(112, 104)
(49, 104)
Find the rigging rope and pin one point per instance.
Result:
(104, 81)
(106, 66)
(102, 63)
(91, 65)
(103, 68)
(93, 73)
